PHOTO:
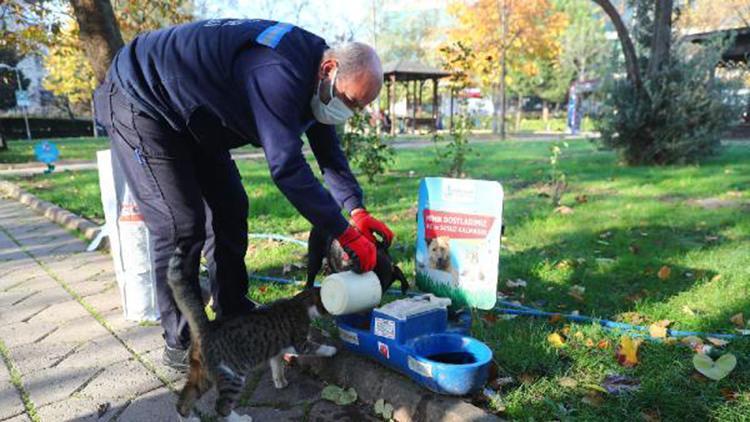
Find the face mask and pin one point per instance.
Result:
(333, 113)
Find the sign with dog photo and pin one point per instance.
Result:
(459, 223)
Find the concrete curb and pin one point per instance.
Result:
(59, 215)
(411, 402)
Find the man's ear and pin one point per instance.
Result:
(326, 67)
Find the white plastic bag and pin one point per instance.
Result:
(129, 243)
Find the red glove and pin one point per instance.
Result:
(369, 225)
(360, 249)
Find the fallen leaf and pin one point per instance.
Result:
(578, 335)
(728, 394)
(664, 273)
(619, 384)
(262, 289)
(603, 344)
(693, 342)
(630, 317)
(563, 210)
(738, 320)
(576, 292)
(715, 278)
(627, 351)
(556, 340)
(659, 329)
(527, 378)
(384, 409)
(715, 370)
(490, 317)
(589, 342)
(686, 309)
(651, 415)
(338, 395)
(593, 399)
(516, 283)
(717, 341)
(567, 382)
(554, 319)
(582, 199)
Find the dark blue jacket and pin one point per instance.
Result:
(234, 82)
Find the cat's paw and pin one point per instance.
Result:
(235, 417)
(280, 382)
(191, 418)
(325, 350)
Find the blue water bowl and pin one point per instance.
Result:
(458, 364)
(422, 345)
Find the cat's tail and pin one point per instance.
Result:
(187, 295)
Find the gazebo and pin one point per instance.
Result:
(413, 75)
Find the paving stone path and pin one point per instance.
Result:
(67, 353)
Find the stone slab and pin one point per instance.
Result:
(10, 401)
(19, 333)
(32, 357)
(143, 339)
(100, 352)
(77, 409)
(326, 411)
(261, 414)
(373, 381)
(156, 405)
(301, 388)
(77, 330)
(105, 302)
(120, 383)
(55, 384)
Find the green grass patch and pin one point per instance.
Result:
(627, 223)
(22, 151)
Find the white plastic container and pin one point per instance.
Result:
(349, 292)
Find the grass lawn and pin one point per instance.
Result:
(634, 221)
(22, 151)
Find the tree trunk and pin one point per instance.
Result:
(519, 112)
(503, 69)
(662, 37)
(631, 61)
(98, 33)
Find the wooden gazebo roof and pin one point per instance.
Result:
(739, 51)
(407, 70)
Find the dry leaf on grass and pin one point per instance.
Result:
(714, 369)
(664, 273)
(627, 351)
(563, 210)
(738, 320)
(567, 382)
(717, 341)
(659, 328)
(576, 292)
(556, 340)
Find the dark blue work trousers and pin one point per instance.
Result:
(189, 196)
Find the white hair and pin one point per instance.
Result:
(355, 57)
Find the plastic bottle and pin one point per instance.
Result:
(349, 292)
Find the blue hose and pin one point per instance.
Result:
(505, 307)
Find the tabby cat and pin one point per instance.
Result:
(223, 352)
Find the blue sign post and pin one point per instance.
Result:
(47, 153)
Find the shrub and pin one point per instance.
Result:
(457, 148)
(366, 149)
(678, 117)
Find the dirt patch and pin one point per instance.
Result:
(716, 203)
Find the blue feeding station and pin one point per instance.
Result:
(414, 337)
(47, 153)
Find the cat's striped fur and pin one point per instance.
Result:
(223, 352)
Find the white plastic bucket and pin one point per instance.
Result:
(348, 292)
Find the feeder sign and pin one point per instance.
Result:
(46, 152)
(349, 337)
(385, 328)
(459, 223)
(423, 369)
(384, 350)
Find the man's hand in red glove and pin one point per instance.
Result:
(359, 248)
(370, 225)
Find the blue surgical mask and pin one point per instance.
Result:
(333, 113)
